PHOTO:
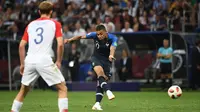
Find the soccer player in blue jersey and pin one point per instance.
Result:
(105, 45)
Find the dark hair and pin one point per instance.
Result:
(100, 27)
(45, 7)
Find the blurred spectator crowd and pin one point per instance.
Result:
(80, 16)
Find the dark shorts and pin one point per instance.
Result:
(105, 64)
(165, 68)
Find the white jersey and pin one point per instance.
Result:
(40, 34)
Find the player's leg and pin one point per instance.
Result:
(99, 97)
(163, 75)
(52, 76)
(154, 75)
(169, 76)
(169, 73)
(62, 97)
(17, 103)
(29, 77)
(99, 94)
(102, 78)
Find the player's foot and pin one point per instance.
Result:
(97, 106)
(110, 95)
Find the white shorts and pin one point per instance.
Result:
(50, 73)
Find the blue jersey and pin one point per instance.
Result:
(102, 47)
(165, 51)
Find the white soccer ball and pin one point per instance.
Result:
(174, 92)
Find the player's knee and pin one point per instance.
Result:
(24, 88)
(62, 87)
(100, 73)
(99, 70)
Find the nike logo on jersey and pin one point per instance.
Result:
(107, 44)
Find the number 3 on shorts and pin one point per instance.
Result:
(39, 31)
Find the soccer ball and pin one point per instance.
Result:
(174, 92)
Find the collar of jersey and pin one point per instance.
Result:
(43, 18)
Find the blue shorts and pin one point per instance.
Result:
(105, 64)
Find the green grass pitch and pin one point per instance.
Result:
(46, 101)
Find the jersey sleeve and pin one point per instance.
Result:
(170, 50)
(91, 35)
(58, 32)
(25, 35)
(114, 41)
(160, 50)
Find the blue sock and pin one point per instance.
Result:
(99, 94)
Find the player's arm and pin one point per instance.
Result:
(22, 51)
(60, 49)
(113, 48)
(74, 39)
(159, 55)
(60, 45)
(170, 54)
(88, 36)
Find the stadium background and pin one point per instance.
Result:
(140, 25)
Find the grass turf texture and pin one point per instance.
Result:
(46, 101)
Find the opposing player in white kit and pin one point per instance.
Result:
(39, 35)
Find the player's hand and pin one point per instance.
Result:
(111, 58)
(66, 41)
(58, 64)
(160, 55)
(21, 69)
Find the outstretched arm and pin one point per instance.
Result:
(90, 35)
(74, 39)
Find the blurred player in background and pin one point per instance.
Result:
(165, 57)
(39, 35)
(105, 45)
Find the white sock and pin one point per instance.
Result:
(16, 106)
(63, 104)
